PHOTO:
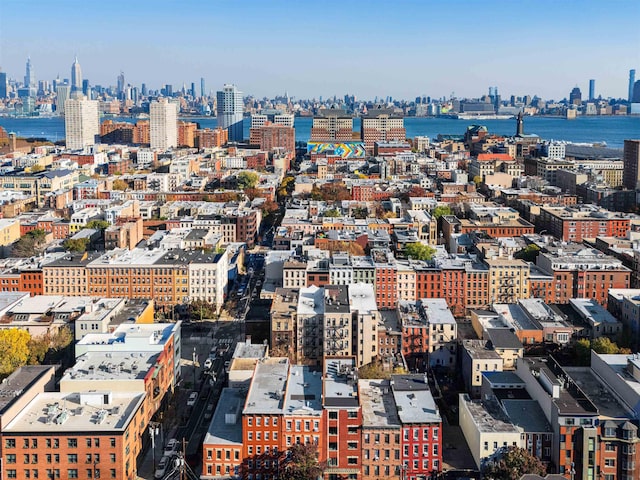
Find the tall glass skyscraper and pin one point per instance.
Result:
(229, 111)
(30, 76)
(632, 80)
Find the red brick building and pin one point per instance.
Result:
(575, 223)
(272, 136)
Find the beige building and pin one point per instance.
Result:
(508, 280)
(163, 118)
(81, 122)
(41, 184)
(9, 231)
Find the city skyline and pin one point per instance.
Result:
(332, 49)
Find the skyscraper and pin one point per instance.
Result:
(631, 158)
(229, 110)
(202, 86)
(81, 122)
(592, 90)
(120, 86)
(3, 85)
(62, 94)
(163, 119)
(85, 88)
(575, 97)
(30, 76)
(632, 80)
(76, 77)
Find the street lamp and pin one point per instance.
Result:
(154, 431)
(195, 358)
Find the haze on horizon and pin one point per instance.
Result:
(311, 49)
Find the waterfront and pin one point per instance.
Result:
(612, 130)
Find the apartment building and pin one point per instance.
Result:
(283, 315)
(575, 223)
(381, 125)
(332, 125)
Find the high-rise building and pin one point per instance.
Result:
(575, 97)
(81, 122)
(163, 116)
(229, 110)
(592, 89)
(120, 86)
(3, 85)
(332, 124)
(85, 88)
(631, 157)
(202, 86)
(62, 94)
(30, 76)
(382, 125)
(76, 77)
(632, 80)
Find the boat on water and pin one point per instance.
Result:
(479, 116)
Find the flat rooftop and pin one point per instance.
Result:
(16, 383)
(340, 383)
(266, 394)
(527, 415)
(592, 312)
(598, 393)
(115, 366)
(378, 405)
(304, 391)
(488, 416)
(226, 425)
(250, 350)
(76, 412)
(414, 401)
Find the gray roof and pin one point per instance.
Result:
(340, 383)
(527, 414)
(226, 425)
(266, 395)
(503, 338)
(304, 391)
(414, 401)
(16, 383)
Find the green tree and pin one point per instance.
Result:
(529, 253)
(332, 213)
(37, 168)
(514, 463)
(14, 349)
(604, 345)
(441, 210)
(201, 310)
(373, 370)
(582, 350)
(98, 224)
(419, 251)
(302, 463)
(247, 179)
(360, 212)
(77, 245)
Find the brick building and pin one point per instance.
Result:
(576, 223)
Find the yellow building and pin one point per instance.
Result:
(508, 280)
(9, 231)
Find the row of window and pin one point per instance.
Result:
(55, 442)
(55, 473)
(11, 458)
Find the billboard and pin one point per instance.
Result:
(344, 150)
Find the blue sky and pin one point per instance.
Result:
(325, 47)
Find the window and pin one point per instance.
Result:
(11, 458)
(72, 443)
(12, 474)
(352, 445)
(112, 457)
(72, 458)
(10, 443)
(72, 473)
(112, 441)
(333, 415)
(352, 414)
(352, 460)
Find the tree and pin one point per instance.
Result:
(201, 310)
(119, 184)
(37, 168)
(252, 193)
(416, 191)
(332, 213)
(360, 212)
(419, 251)
(98, 224)
(247, 179)
(333, 192)
(529, 253)
(77, 245)
(440, 211)
(477, 180)
(14, 349)
(302, 463)
(604, 345)
(515, 462)
(373, 370)
(269, 207)
(32, 243)
(582, 349)
(287, 186)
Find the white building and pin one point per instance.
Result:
(229, 111)
(553, 150)
(208, 278)
(163, 120)
(81, 122)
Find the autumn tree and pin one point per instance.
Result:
(30, 244)
(334, 192)
(269, 207)
(98, 224)
(252, 193)
(287, 186)
(247, 179)
(515, 462)
(37, 168)
(201, 310)
(119, 184)
(332, 213)
(373, 370)
(14, 349)
(302, 463)
(416, 191)
(360, 212)
(419, 251)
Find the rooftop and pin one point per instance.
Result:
(15, 384)
(527, 415)
(488, 416)
(95, 412)
(378, 405)
(604, 400)
(225, 427)
(304, 391)
(115, 366)
(340, 382)
(250, 350)
(266, 394)
(592, 312)
(414, 401)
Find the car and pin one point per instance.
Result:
(171, 448)
(163, 467)
(208, 363)
(209, 413)
(193, 397)
(226, 364)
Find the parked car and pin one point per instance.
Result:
(193, 397)
(171, 448)
(208, 363)
(163, 467)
